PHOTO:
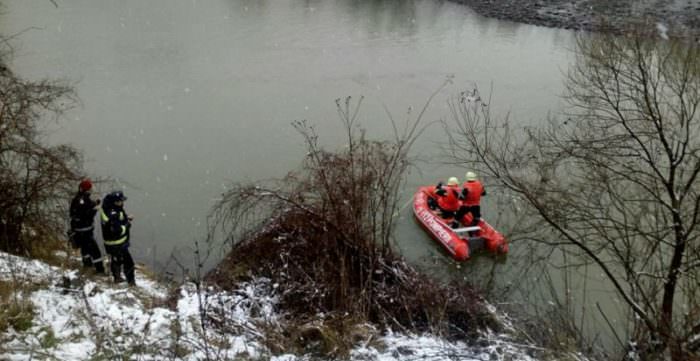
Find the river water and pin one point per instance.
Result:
(181, 97)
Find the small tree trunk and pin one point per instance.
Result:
(666, 315)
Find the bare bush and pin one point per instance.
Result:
(324, 234)
(36, 178)
(349, 197)
(615, 183)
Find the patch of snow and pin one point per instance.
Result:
(663, 30)
(19, 268)
(94, 318)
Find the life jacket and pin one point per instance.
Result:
(473, 191)
(449, 200)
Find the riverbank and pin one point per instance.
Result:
(683, 16)
(61, 313)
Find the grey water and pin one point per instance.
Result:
(180, 98)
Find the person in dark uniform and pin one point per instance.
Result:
(82, 217)
(116, 226)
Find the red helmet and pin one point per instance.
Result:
(85, 185)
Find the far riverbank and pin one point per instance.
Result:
(594, 15)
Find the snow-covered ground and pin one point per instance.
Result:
(79, 318)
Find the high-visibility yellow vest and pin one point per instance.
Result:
(121, 238)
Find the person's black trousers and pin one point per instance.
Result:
(474, 210)
(90, 252)
(121, 258)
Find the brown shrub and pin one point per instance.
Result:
(323, 235)
(297, 258)
(36, 179)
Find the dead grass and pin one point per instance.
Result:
(327, 337)
(52, 245)
(16, 311)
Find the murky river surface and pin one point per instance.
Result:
(180, 98)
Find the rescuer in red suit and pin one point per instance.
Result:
(447, 199)
(472, 190)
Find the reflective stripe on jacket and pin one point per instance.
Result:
(115, 229)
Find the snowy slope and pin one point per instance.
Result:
(79, 318)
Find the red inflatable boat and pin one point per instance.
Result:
(460, 242)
